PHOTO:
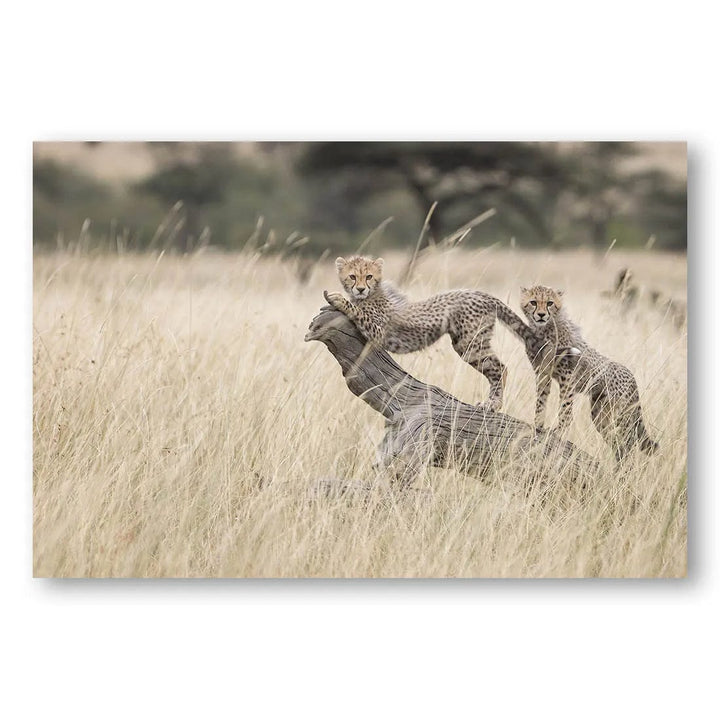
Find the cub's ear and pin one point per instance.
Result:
(560, 293)
(523, 290)
(379, 263)
(340, 264)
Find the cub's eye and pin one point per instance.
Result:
(369, 277)
(550, 303)
(352, 277)
(533, 303)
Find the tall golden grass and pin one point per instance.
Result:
(182, 427)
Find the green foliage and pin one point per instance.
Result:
(334, 194)
(199, 178)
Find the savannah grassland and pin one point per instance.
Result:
(183, 428)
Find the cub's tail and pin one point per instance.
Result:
(647, 445)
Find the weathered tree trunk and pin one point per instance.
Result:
(427, 426)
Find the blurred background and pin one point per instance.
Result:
(309, 198)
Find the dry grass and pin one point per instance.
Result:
(181, 427)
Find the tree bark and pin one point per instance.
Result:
(424, 425)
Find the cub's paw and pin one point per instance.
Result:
(335, 299)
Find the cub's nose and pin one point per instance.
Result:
(541, 315)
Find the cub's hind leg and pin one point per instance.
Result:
(610, 423)
(476, 351)
(543, 383)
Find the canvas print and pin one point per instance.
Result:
(360, 359)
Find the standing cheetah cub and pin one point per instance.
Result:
(389, 320)
(614, 396)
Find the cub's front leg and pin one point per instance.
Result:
(567, 395)
(542, 363)
(341, 303)
(543, 381)
(369, 324)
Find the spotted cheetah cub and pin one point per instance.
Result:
(389, 320)
(615, 400)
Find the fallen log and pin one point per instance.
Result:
(425, 425)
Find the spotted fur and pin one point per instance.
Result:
(389, 320)
(614, 396)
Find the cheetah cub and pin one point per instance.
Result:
(615, 399)
(390, 321)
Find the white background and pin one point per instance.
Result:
(553, 71)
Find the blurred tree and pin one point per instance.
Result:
(63, 197)
(567, 194)
(597, 190)
(63, 183)
(517, 177)
(607, 199)
(561, 193)
(662, 209)
(194, 174)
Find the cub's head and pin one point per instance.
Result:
(540, 303)
(359, 276)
